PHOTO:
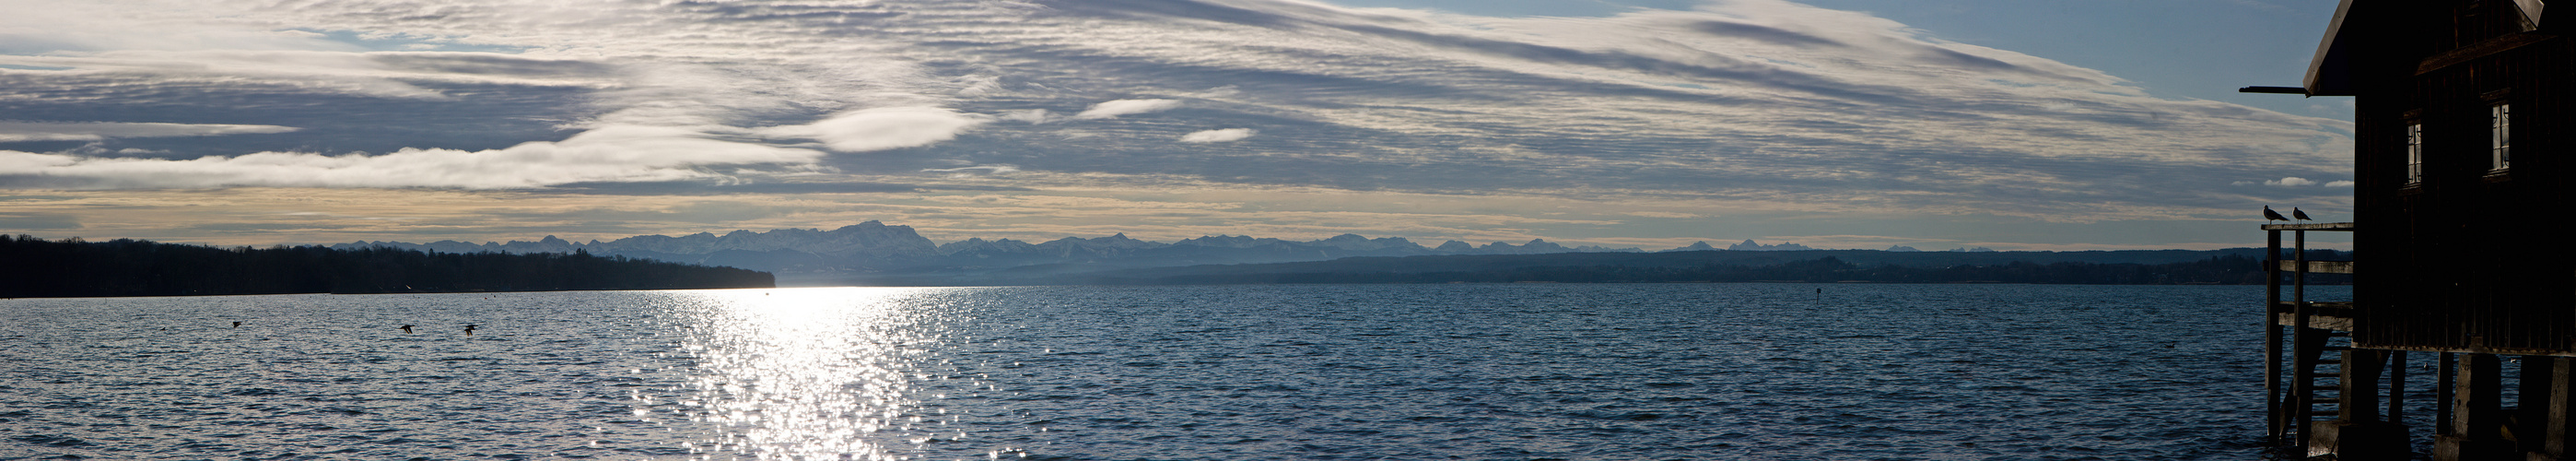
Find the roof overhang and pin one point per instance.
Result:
(2330, 71)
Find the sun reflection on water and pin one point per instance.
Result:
(814, 373)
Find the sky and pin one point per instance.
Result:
(2007, 124)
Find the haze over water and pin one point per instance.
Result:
(1667, 371)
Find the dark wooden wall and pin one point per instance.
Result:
(2468, 260)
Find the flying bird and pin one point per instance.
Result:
(2268, 214)
(406, 328)
(469, 330)
(2302, 215)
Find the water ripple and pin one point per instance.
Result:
(1675, 371)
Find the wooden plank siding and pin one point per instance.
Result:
(2459, 260)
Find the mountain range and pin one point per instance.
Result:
(872, 252)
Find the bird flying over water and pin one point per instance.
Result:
(469, 330)
(2268, 214)
(2302, 215)
(406, 328)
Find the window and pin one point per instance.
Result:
(2500, 122)
(2414, 153)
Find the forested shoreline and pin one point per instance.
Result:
(32, 267)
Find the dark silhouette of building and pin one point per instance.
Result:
(2461, 135)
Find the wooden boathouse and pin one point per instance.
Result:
(2461, 141)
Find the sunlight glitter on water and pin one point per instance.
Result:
(818, 373)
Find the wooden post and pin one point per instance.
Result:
(2272, 343)
(2304, 359)
(2562, 383)
(2397, 387)
(2357, 434)
(2360, 386)
(2538, 381)
(2305, 346)
(2477, 416)
(2446, 377)
(2299, 278)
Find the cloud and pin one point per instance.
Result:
(884, 128)
(406, 75)
(613, 153)
(17, 131)
(2339, 184)
(57, 28)
(39, 221)
(1029, 116)
(1760, 105)
(971, 171)
(1223, 135)
(1113, 109)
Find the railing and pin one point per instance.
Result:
(2288, 426)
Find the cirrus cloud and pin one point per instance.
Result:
(1222, 135)
(621, 153)
(18, 131)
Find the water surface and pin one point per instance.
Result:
(1525, 371)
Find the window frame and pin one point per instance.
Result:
(2500, 136)
(2414, 152)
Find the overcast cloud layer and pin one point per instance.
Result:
(1839, 126)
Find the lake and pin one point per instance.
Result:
(1324, 372)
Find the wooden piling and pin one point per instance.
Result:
(2476, 432)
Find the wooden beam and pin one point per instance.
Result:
(2302, 91)
(2326, 308)
(2359, 343)
(2320, 226)
(2320, 267)
(2508, 42)
(2321, 322)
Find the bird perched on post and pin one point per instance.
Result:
(2302, 215)
(2268, 214)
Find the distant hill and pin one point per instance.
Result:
(75, 268)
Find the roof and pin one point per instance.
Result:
(2329, 72)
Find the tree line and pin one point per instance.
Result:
(34, 267)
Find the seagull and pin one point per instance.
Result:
(469, 330)
(2270, 215)
(406, 329)
(2302, 215)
